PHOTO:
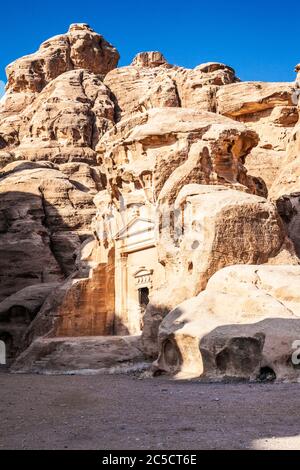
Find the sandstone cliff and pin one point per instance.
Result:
(123, 191)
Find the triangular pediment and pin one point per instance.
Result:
(136, 226)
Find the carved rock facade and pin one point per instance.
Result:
(125, 191)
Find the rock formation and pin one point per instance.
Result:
(47, 110)
(268, 109)
(243, 325)
(285, 189)
(45, 215)
(248, 226)
(125, 192)
(151, 82)
(80, 48)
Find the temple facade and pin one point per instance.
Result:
(131, 235)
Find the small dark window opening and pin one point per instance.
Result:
(143, 301)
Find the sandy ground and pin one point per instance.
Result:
(120, 412)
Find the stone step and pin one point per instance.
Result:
(65, 355)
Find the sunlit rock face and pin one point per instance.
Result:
(222, 227)
(269, 109)
(151, 82)
(124, 190)
(285, 189)
(183, 170)
(64, 122)
(56, 105)
(80, 48)
(228, 330)
(172, 146)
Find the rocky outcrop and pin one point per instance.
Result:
(247, 98)
(267, 108)
(243, 325)
(223, 227)
(288, 179)
(80, 48)
(151, 82)
(144, 84)
(18, 311)
(45, 215)
(64, 122)
(149, 59)
(55, 110)
(56, 106)
(285, 189)
(163, 149)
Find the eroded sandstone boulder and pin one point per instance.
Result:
(149, 59)
(243, 325)
(246, 98)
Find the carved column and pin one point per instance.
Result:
(121, 294)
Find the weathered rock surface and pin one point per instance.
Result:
(18, 311)
(80, 307)
(25, 303)
(288, 179)
(243, 325)
(267, 108)
(82, 355)
(45, 215)
(265, 164)
(286, 186)
(223, 227)
(80, 48)
(246, 98)
(63, 123)
(151, 82)
(163, 149)
(56, 106)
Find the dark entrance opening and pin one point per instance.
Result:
(143, 301)
(266, 374)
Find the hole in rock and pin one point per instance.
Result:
(171, 354)
(266, 374)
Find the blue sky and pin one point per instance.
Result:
(260, 39)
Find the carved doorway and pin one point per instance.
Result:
(143, 301)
